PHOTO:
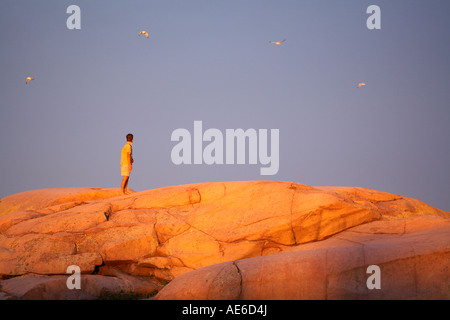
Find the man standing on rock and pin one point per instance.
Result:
(126, 162)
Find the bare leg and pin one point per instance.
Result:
(125, 184)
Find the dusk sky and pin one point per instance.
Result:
(212, 61)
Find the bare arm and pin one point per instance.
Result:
(130, 159)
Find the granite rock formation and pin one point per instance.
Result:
(223, 240)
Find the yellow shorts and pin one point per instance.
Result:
(125, 170)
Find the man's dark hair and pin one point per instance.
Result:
(129, 137)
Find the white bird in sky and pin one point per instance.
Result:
(28, 79)
(361, 84)
(145, 33)
(278, 43)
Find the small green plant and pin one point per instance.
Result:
(165, 282)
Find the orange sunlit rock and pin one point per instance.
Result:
(281, 238)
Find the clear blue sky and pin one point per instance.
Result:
(212, 61)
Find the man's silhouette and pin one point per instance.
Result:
(126, 161)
